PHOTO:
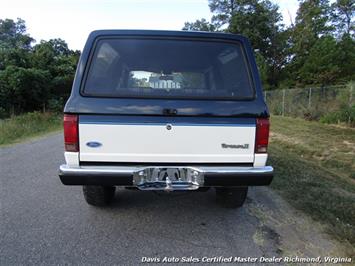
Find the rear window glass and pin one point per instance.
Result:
(158, 68)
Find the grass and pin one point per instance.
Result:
(314, 170)
(330, 147)
(29, 125)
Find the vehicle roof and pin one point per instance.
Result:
(167, 33)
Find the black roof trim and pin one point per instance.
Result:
(165, 33)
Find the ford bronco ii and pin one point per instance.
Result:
(166, 110)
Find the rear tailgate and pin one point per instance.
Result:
(166, 139)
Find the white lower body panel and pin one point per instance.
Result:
(155, 143)
(260, 159)
(72, 158)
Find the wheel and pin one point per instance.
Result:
(233, 197)
(98, 195)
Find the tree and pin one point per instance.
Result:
(224, 10)
(312, 22)
(321, 67)
(258, 20)
(346, 58)
(343, 12)
(14, 57)
(55, 56)
(261, 22)
(263, 69)
(15, 44)
(23, 89)
(13, 34)
(330, 61)
(304, 53)
(32, 76)
(46, 54)
(200, 25)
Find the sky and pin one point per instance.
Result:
(73, 20)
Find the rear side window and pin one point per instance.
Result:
(160, 68)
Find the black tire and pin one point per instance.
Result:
(99, 195)
(203, 189)
(233, 197)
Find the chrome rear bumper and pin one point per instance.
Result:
(205, 176)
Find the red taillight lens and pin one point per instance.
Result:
(71, 133)
(262, 135)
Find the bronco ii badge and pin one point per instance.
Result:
(234, 146)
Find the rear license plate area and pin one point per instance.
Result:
(168, 178)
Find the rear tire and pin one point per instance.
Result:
(98, 195)
(233, 197)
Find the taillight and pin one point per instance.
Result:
(262, 135)
(71, 133)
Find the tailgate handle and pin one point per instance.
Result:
(170, 111)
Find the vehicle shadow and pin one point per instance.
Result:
(175, 201)
(176, 219)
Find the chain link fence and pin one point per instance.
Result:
(310, 103)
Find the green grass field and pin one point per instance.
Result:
(314, 170)
(22, 127)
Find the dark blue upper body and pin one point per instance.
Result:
(80, 104)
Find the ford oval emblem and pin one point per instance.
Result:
(93, 144)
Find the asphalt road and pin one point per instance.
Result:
(44, 222)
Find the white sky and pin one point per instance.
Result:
(73, 20)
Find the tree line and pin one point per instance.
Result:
(33, 77)
(318, 48)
